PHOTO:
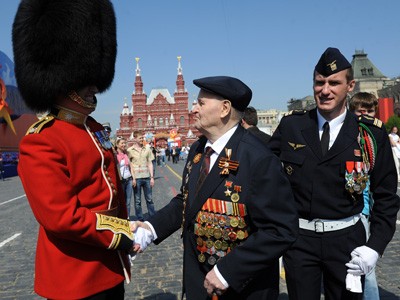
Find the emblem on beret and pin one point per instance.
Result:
(332, 65)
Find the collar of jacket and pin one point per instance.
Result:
(68, 115)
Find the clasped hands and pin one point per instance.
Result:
(363, 260)
(143, 235)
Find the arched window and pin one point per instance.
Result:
(140, 123)
(182, 120)
(161, 121)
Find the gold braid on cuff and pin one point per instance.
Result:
(116, 225)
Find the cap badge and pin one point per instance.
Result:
(332, 65)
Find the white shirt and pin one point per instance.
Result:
(334, 126)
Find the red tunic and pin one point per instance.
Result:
(68, 176)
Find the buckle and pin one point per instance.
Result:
(319, 226)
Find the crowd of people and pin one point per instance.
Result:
(321, 191)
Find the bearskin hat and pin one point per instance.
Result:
(62, 45)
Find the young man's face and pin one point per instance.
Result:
(365, 111)
(330, 93)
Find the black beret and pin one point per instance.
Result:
(227, 87)
(63, 45)
(331, 62)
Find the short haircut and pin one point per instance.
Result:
(250, 116)
(362, 99)
(349, 74)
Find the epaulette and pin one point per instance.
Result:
(38, 126)
(295, 112)
(370, 120)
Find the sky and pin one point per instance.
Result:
(272, 46)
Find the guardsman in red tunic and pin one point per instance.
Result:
(64, 54)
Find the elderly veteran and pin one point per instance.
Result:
(235, 207)
(328, 154)
(67, 165)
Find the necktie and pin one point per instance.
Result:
(325, 139)
(205, 167)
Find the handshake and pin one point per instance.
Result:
(144, 236)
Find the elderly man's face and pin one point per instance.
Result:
(207, 112)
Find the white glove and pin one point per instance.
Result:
(363, 260)
(353, 283)
(354, 266)
(143, 237)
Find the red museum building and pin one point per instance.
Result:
(159, 114)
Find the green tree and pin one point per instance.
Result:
(392, 121)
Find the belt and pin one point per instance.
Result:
(324, 225)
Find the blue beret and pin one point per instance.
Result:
(227, 87)
(331, 62)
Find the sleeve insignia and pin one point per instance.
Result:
(38, 126)
(118, 226)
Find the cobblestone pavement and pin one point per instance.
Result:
(156, 273)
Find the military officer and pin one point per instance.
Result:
(64, 54)
(234, 227)
(328, 154)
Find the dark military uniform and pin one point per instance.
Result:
(244, 238)
(318, 184)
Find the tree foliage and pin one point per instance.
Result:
(391, 122)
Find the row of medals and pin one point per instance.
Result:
(219, 234)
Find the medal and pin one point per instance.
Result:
(199, 241)
(218, 245)
(209, 244)
(228, 185)
(201, 258)
(234, 222)
(217, 233)
(103, 139)
(224, 246)
(210, 231)
(212, 260)
(200, 231)
(196, 159)
(235, 197)
(240, 234)
(232, 236)
(226, 164)
(242, 223)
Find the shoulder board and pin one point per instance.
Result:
(295, 112)
(370, 121)
(38, 126)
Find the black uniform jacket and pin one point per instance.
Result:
(319, 182)
(251, 268)
(264, 137)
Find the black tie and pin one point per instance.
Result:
(205, 167)
(325, 139)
